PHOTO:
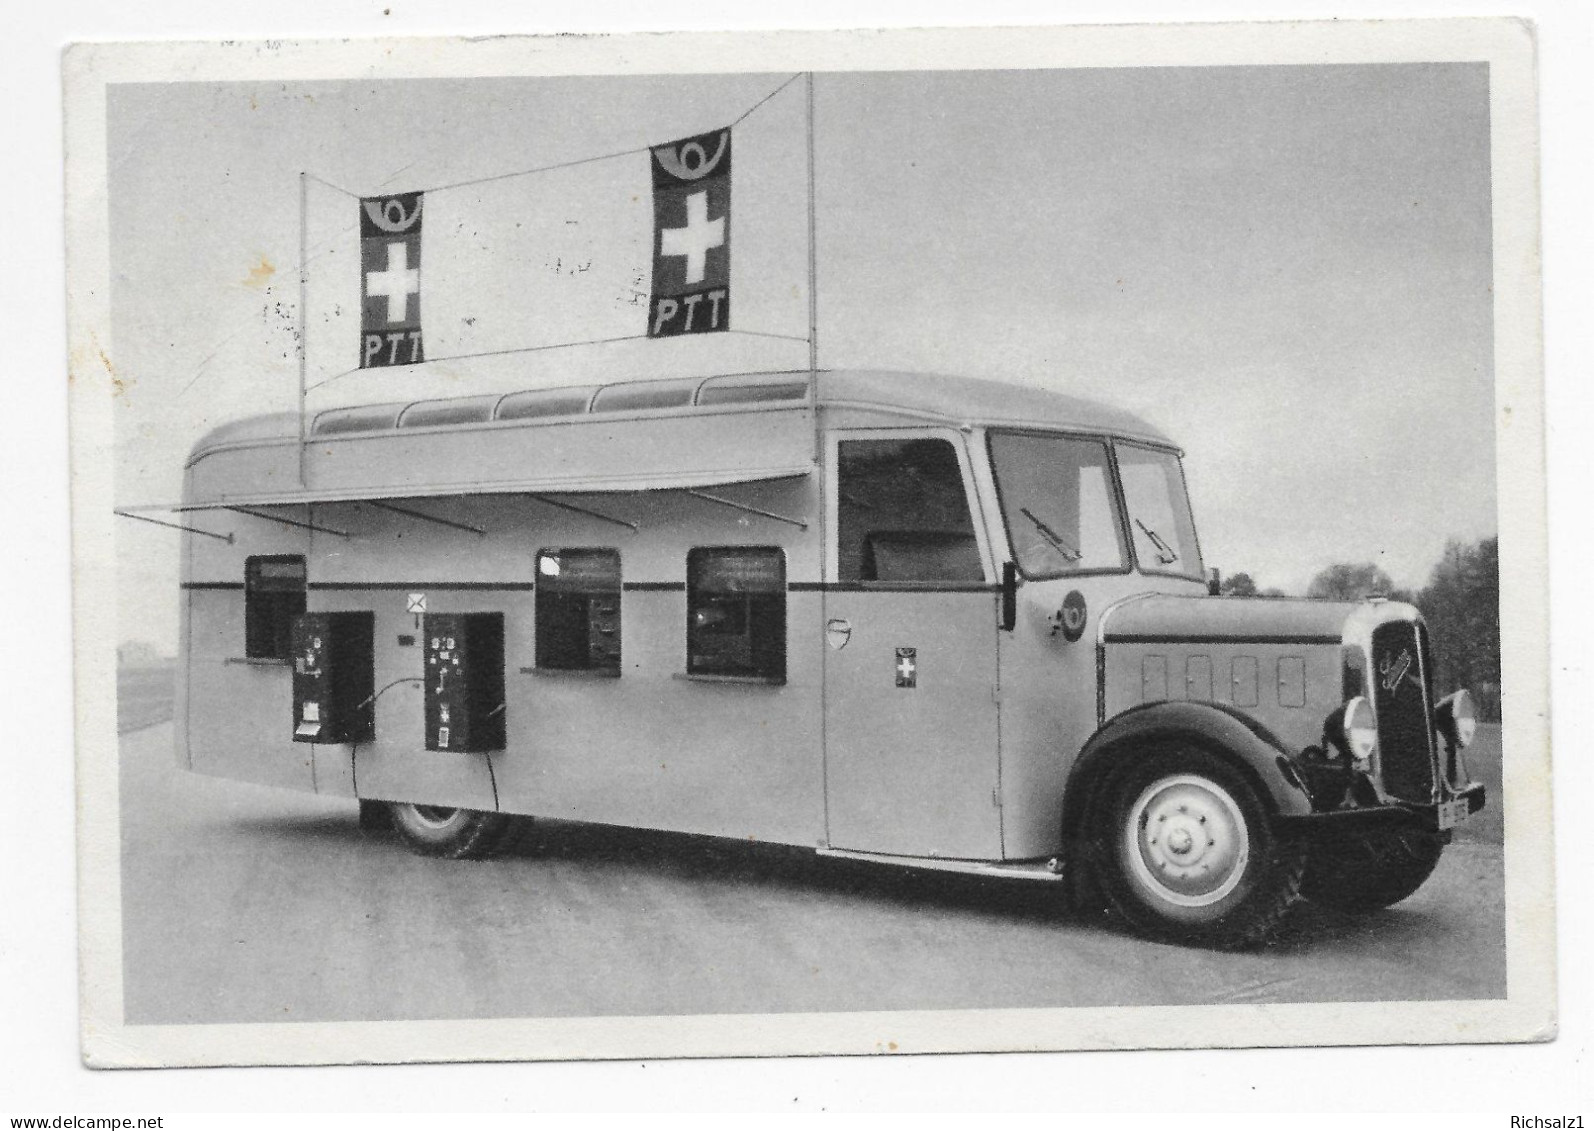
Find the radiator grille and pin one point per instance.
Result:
(1401, 700)
(1449, 756)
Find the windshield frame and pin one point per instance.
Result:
(1200, 574)
(1120, 513)
(1132, 559)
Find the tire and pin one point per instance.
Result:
(458, 834)
(1233, 891)
(1370, 873)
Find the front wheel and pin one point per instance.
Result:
(1186, 852)
(459, 834)
(1369, 873)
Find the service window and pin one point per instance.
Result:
(902, 513)
(736, 612)
(578, 610)
(273, 595)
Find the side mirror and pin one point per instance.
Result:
(1214, 582)
(1009, 595)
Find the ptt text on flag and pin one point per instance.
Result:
(390, 280)
(691, 236)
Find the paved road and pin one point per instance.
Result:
(249, 904)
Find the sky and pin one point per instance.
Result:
(1288, 269)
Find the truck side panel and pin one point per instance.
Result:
(654, 750)
(237, 710)
(649, 748)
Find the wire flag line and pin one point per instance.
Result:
(333, 187)
(553, 346)
(497, 353)
(749, 111)
(766, 334)
(561, 164)
(538, 169)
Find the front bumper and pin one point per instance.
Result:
(1374, 819)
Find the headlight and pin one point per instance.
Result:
(1457, 718)
(1355, 731)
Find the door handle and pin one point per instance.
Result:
(838, 630)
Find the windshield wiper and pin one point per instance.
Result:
(1052, 537)
(1165, 553)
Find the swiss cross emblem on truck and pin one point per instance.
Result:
(907, 667)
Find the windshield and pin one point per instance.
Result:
(1057, 498)
(1159, 511)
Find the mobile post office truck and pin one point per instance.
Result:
(919, 620)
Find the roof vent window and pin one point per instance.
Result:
(464, 410)
(645, 394)
(544, 402)
(362, 418)
(744, 391)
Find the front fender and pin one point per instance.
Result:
(1214, 727)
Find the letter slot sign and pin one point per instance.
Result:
(464, 681)
(333, 676)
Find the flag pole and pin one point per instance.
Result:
(304, 321)
(813, 274)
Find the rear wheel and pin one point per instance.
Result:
(459, 834)
(1368, 873)
(1186, 852)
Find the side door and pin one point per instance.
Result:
(911, 764)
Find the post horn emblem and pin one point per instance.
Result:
(1394, 670)
(390, 215)
(690, 161)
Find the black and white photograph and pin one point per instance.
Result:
(909, 544)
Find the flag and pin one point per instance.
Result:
(390, 280)
(691, 236)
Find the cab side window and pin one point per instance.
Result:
(736, 612)
(902, 513)
(578, 610)
(274, 593)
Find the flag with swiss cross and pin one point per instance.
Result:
(390, 280)
(691, 236)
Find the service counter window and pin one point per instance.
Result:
(736, 612)
(274, 588)
(578, 611)
(902, 514)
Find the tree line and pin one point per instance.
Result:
(1461, 604)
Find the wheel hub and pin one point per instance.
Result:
(1187, 840)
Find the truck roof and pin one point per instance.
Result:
(635, 435)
